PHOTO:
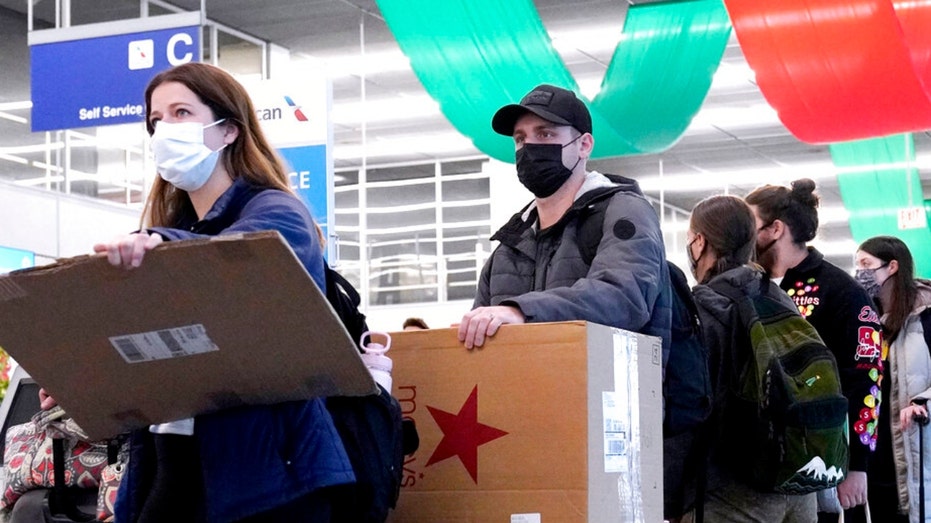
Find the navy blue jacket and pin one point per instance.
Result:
(257, 458)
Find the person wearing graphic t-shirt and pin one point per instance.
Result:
(839, 309)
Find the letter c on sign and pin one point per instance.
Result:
(173, 58)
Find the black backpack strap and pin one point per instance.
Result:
(726, 290)
(335, 282)
(58, 464)
(345, 300)
(592, 214)
(60, 500)
(680, 287)
(685, 323)
(745, 307)
(591, 220)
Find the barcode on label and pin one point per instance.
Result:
(615, 447)
(169, 340)
(162, 344)
(128, 349)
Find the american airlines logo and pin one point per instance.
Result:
(178, 50)
(277, 113)
(141, 54)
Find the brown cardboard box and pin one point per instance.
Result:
(202, 325)
(551, 423)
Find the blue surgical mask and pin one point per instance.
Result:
(181, 157)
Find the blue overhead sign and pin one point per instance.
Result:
(294, 112)
(308, 175)
(92, 75)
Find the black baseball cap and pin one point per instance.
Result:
(549, 102)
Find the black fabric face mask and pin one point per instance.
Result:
(540, 168)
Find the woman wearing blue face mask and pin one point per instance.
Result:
(218, 175)
(886, 269)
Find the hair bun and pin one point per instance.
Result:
(803, 192)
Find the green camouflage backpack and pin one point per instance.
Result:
(789, 397)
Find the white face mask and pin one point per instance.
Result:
(181, 157)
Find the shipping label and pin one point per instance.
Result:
(615, 432)
(163, 344)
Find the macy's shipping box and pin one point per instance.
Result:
(202, 325)
(547, 423)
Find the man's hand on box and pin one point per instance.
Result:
(484, 321)
(128, 250)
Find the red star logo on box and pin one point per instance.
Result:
(462, 434)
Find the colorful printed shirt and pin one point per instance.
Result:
(843, 314)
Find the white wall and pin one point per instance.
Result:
(57, 225)
(506, 192)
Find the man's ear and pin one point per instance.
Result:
(586, 144)
(779, 228)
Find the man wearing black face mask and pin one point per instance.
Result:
(537, 273)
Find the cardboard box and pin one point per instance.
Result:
(551, 423)
(202, 325)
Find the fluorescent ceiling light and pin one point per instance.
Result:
(36, 148)
(722, 180)
(593, 40)
(15, 159)
(826, 215)
(729, 76)
(921, 162)
(12, 106)
(836, 247)
(429, 145)
(13, 117)
(357, 64)
(732, 117)
(386, 109)
(835, 214)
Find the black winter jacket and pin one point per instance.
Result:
(544, 274)
(843, 314)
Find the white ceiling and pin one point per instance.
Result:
(714, 148)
